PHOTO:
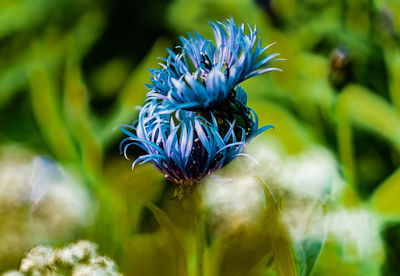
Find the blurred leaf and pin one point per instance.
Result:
(385, 199)
(46, 109)
(357, 105)
(173, 241)
(393, 62)
(363, 108)
(332, 262)
(76, 110)
(312, 249)
(86, 31)
(281, 241)
(12, 80)
(309, 248)
(29, 14)
(345, 139)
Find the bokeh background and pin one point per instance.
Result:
(72, 71)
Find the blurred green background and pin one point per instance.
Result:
(72, 71)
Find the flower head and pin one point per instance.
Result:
(183, 145)
(218, 69)
(196, 119)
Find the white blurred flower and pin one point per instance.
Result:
(356, 230)
(98, 266)
(76, 259)
(312, 173)
(36, 259)
(234, 202)
(303, 183)
(14, 181)
(76, 251)
(13, 273)
(39, 203)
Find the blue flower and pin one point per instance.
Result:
(218, 69)
(185, 147)
(197, 121)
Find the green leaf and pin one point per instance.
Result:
(173, 241)
(77, 116)
(363, 108)
(393, 62)
(46, 108)
(281, 244)
(12, 80)
(385, 199)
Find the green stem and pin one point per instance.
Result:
(200, 245)
(199, 227)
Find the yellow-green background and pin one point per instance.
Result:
(71, 71)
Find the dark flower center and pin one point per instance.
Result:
(230, 110)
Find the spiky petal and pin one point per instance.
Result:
(219, 68)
